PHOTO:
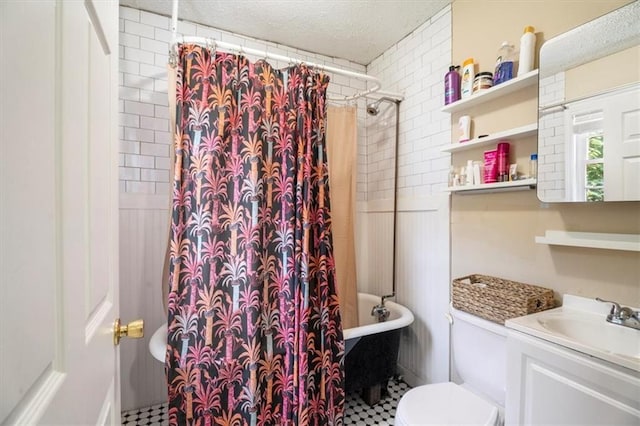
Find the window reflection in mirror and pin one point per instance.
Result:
(594, 169)
(597, 146)
(585, 155)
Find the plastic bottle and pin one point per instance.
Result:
(477, 172)
(504, 63)
(452, 176)
(464, 123)
(463, 176)
(452, 85)
(466, 86)
(503, 161)
(533, 166)
(469, 173)
(527, 50)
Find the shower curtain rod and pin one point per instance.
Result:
(209, 42)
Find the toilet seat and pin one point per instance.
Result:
(444, 404)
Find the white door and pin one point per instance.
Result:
(622, 146)
(59, 212)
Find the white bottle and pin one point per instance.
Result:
(452, 176)
(463, 176)
(527, 50)
(469, 173)
(466, 85)
(464, 124)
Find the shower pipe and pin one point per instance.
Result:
(215, 44)
(373, 109)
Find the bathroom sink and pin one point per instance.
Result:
(599, 333)
(580, 324)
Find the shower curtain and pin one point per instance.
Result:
(254, 333)
(342, 141)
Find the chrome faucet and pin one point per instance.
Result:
(622, 315)
(380, 311)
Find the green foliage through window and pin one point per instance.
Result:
(596, 147)
(594, 184)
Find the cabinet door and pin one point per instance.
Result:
(551, 385)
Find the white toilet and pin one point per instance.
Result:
(478, 350)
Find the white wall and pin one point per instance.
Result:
(144, 112)
(415, 66)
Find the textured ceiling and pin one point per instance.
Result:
(357, 30)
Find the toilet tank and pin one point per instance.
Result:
(479, 355)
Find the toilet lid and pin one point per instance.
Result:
(444, 404)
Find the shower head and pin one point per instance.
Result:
(374, 107)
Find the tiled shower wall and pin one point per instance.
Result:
(416, 67)
(144, 114)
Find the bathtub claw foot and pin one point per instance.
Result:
(372, 394)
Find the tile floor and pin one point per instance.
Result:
(357, 412)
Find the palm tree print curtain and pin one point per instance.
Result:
(254, 332)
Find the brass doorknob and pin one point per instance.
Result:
(135, 330)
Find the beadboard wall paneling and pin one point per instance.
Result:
(422, 277)
(143, 239)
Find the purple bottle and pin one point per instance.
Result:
(452, 85)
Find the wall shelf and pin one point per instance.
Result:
(511, 134)
(518, 185)
(627, 242)
(513, 85)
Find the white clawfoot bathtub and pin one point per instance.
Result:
(399, 317)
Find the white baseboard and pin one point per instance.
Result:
(410, 378)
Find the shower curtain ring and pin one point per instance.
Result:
(211, 45)
(173, 56)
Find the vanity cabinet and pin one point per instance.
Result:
(548, 384)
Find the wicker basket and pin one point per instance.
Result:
(497, 299)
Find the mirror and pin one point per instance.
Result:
(589, 115)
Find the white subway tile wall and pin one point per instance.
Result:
(551, 182)
(144, 114)
(415, 66)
